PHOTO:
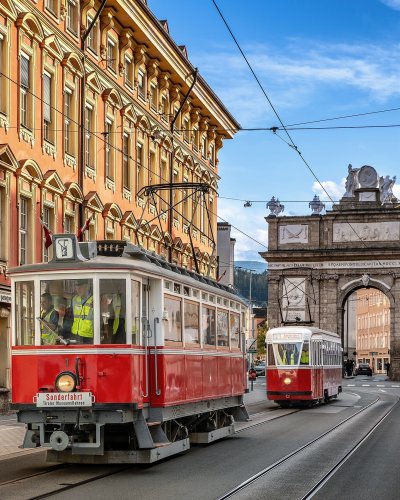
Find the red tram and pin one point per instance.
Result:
(304, 365)
(118, 356)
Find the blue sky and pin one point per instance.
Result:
(316, 59)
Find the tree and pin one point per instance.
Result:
(261, 332)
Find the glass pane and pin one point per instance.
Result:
(208, 326)
(222, 328)
(24, 313)
(191, 322)
(234, 329)
(173, 328)
(135, 311)
(287, 354)
(270, 355)
(112, 311)
(66, 311)
(305, 354)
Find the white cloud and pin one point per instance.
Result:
(293, 75)
(394, 4)
(335, 190)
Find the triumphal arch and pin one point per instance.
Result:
(317, 261)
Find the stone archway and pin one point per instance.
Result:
(316, 261)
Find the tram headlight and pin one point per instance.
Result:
(287, 381)
(65, 382)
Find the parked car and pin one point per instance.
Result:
(260, 369)
(363, 369)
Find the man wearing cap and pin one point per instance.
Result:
(82, 308)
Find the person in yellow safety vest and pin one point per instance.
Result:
(305, 357)
(288, 357)
(82, 309)
(49, 316)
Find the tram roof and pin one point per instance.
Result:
(304, 330)
(110, 255)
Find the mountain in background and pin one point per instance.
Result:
(258, 266)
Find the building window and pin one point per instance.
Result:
(196, 139)
(126, 161)
(204, 147)
(68, 122)
(25, 90)
(89, 136)
(186, 130)
(212, 154)
(47, 108)
(52, 6)
(108, 149)
(23, 230)
(128, 72)
(3, 228)
(153, 97)
(141, 84)
(3, 79)
(92, 39)
(47, 220)
(140, 166)
(164, 108)
(69, 224)
(111, 55)
(72, 16)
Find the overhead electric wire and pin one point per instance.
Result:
(291, 142)
(102, 139)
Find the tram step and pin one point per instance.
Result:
(151, 424)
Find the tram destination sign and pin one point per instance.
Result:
(63, 399)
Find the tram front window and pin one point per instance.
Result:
(112, 311)
(67, 311)
(287, 353)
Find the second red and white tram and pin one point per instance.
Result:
(304, 365)
(134, 360)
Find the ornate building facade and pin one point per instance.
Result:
(85, 126)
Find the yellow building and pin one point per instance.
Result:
(373, 329)
(82, 132)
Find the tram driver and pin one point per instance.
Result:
(49, 319)
(290, 354)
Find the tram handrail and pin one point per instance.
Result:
(156, 320)
(45, 324)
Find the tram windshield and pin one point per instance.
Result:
(285, 353)
(68, 311)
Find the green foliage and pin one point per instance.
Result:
(261, 332)
(259, 286)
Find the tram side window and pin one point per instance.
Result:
(222, 328)
(112, 311)
(234, 329)
(191, 322)
(173, 327)
(24, 313)
(135, 311)
(208, 326)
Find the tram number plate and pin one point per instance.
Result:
(69, 399)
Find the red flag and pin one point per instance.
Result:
(84, 228)
(48, 240)
(222, 275)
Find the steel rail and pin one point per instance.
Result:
(292, 454)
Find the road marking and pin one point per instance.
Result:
(351, 385)
(395, 386)
(381, 390)
(380, 385)
(365, 385)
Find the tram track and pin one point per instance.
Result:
(297, 465)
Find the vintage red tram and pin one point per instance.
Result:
(304, 365)
(134, 359)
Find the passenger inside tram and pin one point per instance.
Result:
(287, 354)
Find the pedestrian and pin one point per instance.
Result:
(387, 366)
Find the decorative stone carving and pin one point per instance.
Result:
(367, 177)
(293, 295)
(385, 187)
(275, 206)
(351, 181)
(293, 233)
(373, 231)
(365, 279)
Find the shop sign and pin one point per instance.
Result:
(5, 297)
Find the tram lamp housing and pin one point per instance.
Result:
(287, 381)
(66, 382)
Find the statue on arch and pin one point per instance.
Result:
(386, 188)
(351, 181)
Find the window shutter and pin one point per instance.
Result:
(24, 72)
(47, 98)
